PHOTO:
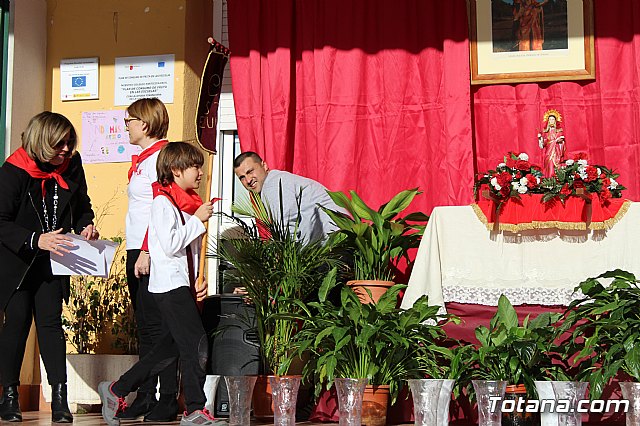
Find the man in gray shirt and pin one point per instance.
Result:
(314, 224)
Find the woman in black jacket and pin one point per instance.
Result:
(43, 195)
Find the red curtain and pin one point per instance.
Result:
(360, 94)
(375, 96)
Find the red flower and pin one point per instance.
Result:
(592, 174)
(580, 156)
(523, 165)
(504, 179)
(578, 184)
(602, 176)
(531, 180)
(606, 182)
(565, 190)
(605, 194)
(518, 175)
(511, 162)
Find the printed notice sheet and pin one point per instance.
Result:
(86, 258)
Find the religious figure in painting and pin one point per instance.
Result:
(551, 141)
(530, 24)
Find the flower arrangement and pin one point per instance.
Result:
(511, 178)
(577, 173)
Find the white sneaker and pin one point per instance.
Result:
(199, 417)
(112, 404)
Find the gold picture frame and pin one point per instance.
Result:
(508, 43)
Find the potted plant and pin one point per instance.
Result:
(607, 328)
(377, 238)
(276, 270)
(515, 352)
(379, 342)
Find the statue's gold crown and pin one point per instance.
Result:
(553, 112)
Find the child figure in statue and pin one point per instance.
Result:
(551, 142)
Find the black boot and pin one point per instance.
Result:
(60, 412)
(165, 411)
(141, 406)
(9, 405)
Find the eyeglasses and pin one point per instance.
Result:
(68, 143)
(128, 120)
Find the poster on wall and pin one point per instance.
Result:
(139, 77)
(105, 139)
(79, 79)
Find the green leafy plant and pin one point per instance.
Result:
(607, 328)
(276, 270)
(517, 353)
(378, 238)
(377, 341)
(99, 311)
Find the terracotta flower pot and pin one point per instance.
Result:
(377, 288)
(374, 405)
(262, 398)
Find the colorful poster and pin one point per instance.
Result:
(105, 139)
(79, 79)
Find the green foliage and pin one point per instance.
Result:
(517, 353)
(277, 272)
(380, 342)
(378, 238)
(99, 310)
(607, 327)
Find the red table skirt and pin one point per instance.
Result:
(528, 212)
(462, 412)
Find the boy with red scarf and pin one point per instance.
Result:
(175, 232)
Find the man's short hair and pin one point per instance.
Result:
(249, 154)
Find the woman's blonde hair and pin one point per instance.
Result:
(177, 156)
(44, 132)
(154, 114)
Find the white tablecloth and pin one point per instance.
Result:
(460, 261)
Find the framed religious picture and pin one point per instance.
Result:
(515, 41)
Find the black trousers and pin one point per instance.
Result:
(149, 327)
(39, 298)
(184, 338)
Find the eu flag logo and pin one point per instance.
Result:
(80, 81)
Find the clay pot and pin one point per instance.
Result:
(377, 288)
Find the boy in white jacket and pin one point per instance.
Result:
(175, 232)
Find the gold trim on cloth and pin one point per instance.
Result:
(572, 226)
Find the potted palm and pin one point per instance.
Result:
(377, 238)
(378, 342)
(276, 270)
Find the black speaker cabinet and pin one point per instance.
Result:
(230, 324)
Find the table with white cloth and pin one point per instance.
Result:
(459, 260)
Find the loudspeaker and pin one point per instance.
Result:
(231, 326)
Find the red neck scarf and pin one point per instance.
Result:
(21, 159)
(137, 159)
(187, 201)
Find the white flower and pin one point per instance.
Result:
(583, 162)
(522, 189)
(569, 162)
(523, 156)
(515, 185)
(537, 180)
(613, 184)
(494, 183)
(599, 171)
(583, 175)
(524, 181)
(501, 165)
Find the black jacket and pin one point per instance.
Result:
(21, 214)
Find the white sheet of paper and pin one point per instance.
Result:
(86, 258)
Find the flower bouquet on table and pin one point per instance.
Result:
(511, 178)
(577, 174)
